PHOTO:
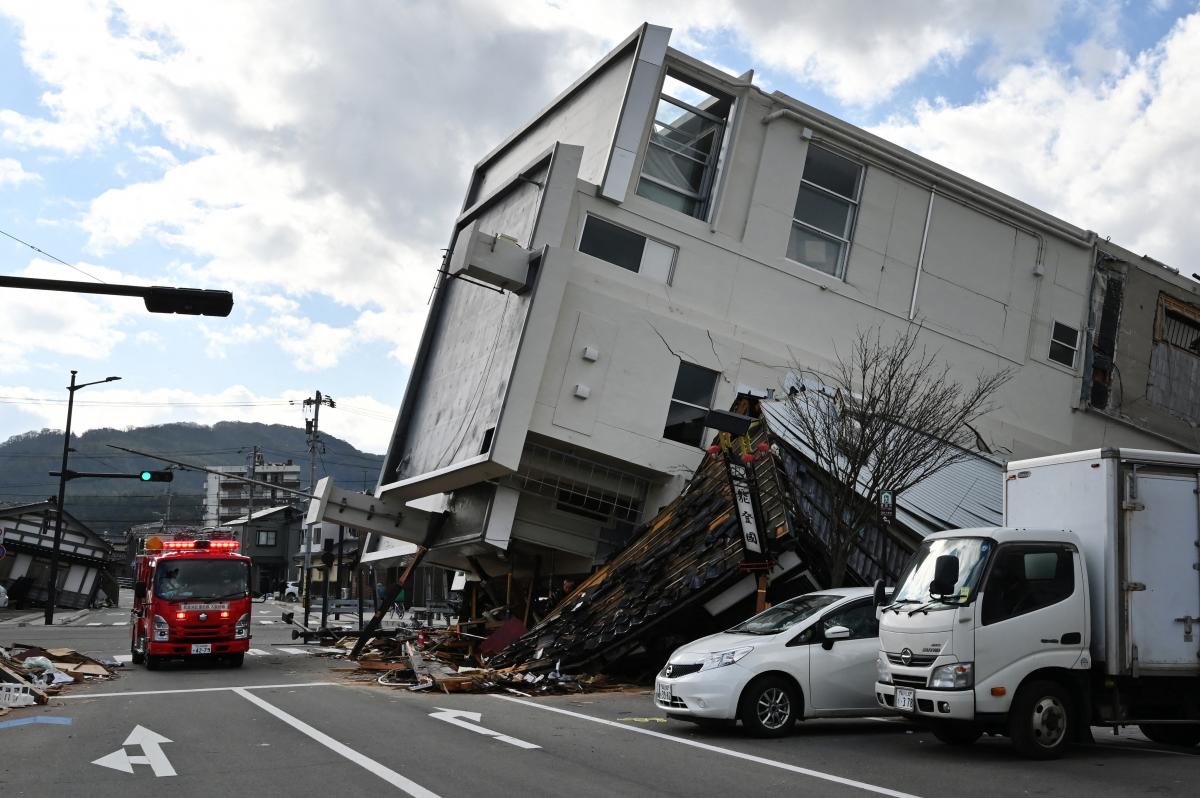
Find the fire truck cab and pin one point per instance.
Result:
(191, 598)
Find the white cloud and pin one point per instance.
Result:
(13, 174)
(1114, 157)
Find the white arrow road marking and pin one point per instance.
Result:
(152, 754)
(461, 718)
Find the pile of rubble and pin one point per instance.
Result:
(446, 660)
(32, 675)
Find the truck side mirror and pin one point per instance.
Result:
(945, 576)
(139, 590)
(880, 593)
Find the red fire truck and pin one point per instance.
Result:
(191, 598)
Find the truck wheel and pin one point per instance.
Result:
(1040, 722)
(236, 660)
(952, 733)
(769, 707)
(1171, 734)
(153, 662)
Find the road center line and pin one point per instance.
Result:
(816, 774)
(198, 690)
(387, 774)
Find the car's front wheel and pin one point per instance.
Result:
(769, 707)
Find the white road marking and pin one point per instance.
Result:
(152, 754)
(122, 658)
(121, 623)
(197, 690)
(462, 719)
(258, 652)
(816, 774)
(387, 774)
(95, 623)
(291, 650)
(266, 622)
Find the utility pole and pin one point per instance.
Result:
(250, 502)
(314, 438)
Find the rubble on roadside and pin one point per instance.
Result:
(445, 660)
(33, 675)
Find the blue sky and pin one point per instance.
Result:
(312, 160)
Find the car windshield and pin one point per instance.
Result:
(972, 554)
(785, 615)
(202, 579)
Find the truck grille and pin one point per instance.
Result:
(204, 633)
(915, 661)
(909, 681)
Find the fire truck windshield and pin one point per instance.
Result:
(202, 579)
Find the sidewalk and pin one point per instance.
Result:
(31, 617)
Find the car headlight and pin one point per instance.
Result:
(242, 627)
(882, 672)
(161, 630)
(719, 659)
(955, 676)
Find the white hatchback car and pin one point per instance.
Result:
(808, 657)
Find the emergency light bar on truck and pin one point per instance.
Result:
(225, 545)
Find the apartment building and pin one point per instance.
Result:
(227, 499)
(664, 236)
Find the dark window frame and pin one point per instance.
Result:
(844, 239)
(602, 222)
(1062, 344)
(716, 376)
(997, 608)
(1177, 323)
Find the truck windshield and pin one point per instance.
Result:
(972, 554)
(201, 579)
(784, 615)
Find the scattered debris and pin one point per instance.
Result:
(31, 674)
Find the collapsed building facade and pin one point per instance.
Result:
(664, 238)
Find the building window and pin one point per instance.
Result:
(690, 402)
(627, 249)
(824, 213)
(685, 143)
(266, 538)
(1178, 324)
(1064, 343)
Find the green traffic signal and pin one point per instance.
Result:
(157, 476)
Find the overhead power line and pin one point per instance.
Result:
(51, 257)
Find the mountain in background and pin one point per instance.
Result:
(116, 504)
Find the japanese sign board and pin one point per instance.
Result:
(739, 479)
(887, 506)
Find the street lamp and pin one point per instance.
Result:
(52, 588)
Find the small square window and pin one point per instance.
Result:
(690, 402)
(1064, 343)
(623, 247)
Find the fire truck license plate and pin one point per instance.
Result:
(201, 648)
(904, 699)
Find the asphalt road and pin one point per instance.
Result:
(288, 723)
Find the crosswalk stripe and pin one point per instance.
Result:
(121, 623)
(291, 650)
(258, 652)
(266, 622)
(122, 657)
(96, 623)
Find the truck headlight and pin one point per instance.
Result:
(955, 676)
(719, 659)
(241, 629)
(161, 630)
(882, 672)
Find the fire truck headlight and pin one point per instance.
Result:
(161, 630)
(242, 628)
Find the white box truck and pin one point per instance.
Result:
(1083, 610)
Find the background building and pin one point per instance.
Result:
(228, 499)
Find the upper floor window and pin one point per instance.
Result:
(1064, 343)
(685, 142)
(627, 249)
(824, 213)
(266, 537)
(690, 402)
(1178, 324)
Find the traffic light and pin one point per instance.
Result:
(189, 301)
(157, 476)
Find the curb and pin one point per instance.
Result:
(75, 616)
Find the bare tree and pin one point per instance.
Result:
(884, 417)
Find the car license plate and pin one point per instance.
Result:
(664, 693)
(905, 699)
(201, 648)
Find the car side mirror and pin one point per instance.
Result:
(139, 590)
(835, 633)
